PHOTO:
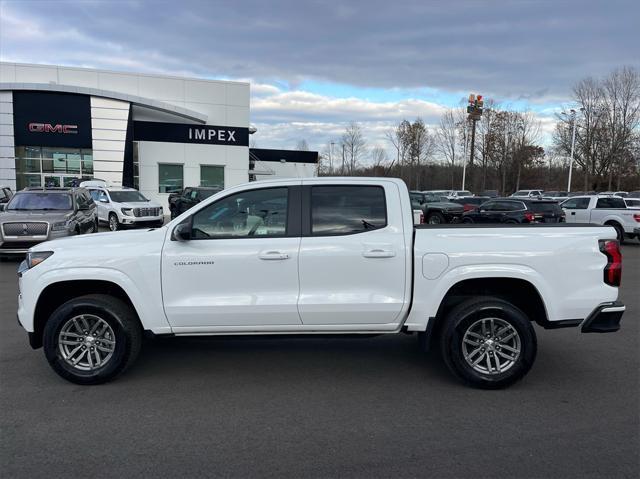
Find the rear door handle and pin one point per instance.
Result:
(273, 255)
(379, 253)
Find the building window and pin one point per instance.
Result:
(136, 166)
(212, 175)
(38, 166)
(170, 178)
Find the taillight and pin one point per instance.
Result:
(421, 218)
(530, 217)
(636, 217)
(613, 269)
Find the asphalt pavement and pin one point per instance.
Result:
(324, 407)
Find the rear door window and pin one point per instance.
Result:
(342, 210)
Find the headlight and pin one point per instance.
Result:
(34, 258)
(60, 226)
(127, 211)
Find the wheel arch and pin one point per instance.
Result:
(523, 294)
(58, 293)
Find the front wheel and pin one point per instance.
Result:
(488, 343)
(92, 339)
(467, 220)
(436, 219)
(114, 225)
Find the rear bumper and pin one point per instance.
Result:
(604, 319)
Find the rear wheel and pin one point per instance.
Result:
(436, 218)
(92, 339)
(466, 219)
(619, 231)
(488, 343)
(114, 225)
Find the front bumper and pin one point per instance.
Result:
(604, 319)
(141, 220)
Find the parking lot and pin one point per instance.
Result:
(319, 407)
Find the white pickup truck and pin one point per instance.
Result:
(319, 256)
(604, 210)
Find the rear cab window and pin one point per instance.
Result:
(348, 209)
(611, 203)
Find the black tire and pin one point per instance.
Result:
(113, 223)
(467, 220)
(117, 314)
(96, 226)
(619, 231)
(467, 314)
(436, 218)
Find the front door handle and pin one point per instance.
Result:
(379, 253)
(573, 213)
(273, 255)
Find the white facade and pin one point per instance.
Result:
(114, 96)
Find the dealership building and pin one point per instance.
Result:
(59, 125)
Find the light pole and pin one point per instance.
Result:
(464, 157)
(331, 157)
(573, 145)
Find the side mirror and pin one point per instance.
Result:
(182, 232)
(103, 200)
(2, 206)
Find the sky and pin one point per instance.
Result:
(314, 66)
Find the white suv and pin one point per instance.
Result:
(120, 206)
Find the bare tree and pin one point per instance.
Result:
(354, 147)
(448, 140)
(378, 157)
(302, 145)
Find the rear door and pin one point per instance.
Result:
(352, 255)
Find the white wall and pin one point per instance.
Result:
(109, 132)
(7, 151)
(234, 159)
(285, 170)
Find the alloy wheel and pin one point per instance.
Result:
(491, 346)
(86, 342)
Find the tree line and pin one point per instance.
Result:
(507, 154)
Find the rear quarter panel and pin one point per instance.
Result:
(563, 263)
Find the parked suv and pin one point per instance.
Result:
(509, 210)
(436, 209)
(181, 202)
(123, 206)
(35, 215)
(527, 194)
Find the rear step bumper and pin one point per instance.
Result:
(604, 319)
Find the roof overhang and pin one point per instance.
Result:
(133, 99)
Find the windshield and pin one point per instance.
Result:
(126, 196)
(41, 201)
(206, 193)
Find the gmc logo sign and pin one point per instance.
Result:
(49, 128)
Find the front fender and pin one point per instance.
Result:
(146, 299)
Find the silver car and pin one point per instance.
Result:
(121, 206)
(34, 215)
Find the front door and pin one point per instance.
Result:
(352, 258)
(576, 210)
(240, 267)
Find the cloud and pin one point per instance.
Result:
(523, 52)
